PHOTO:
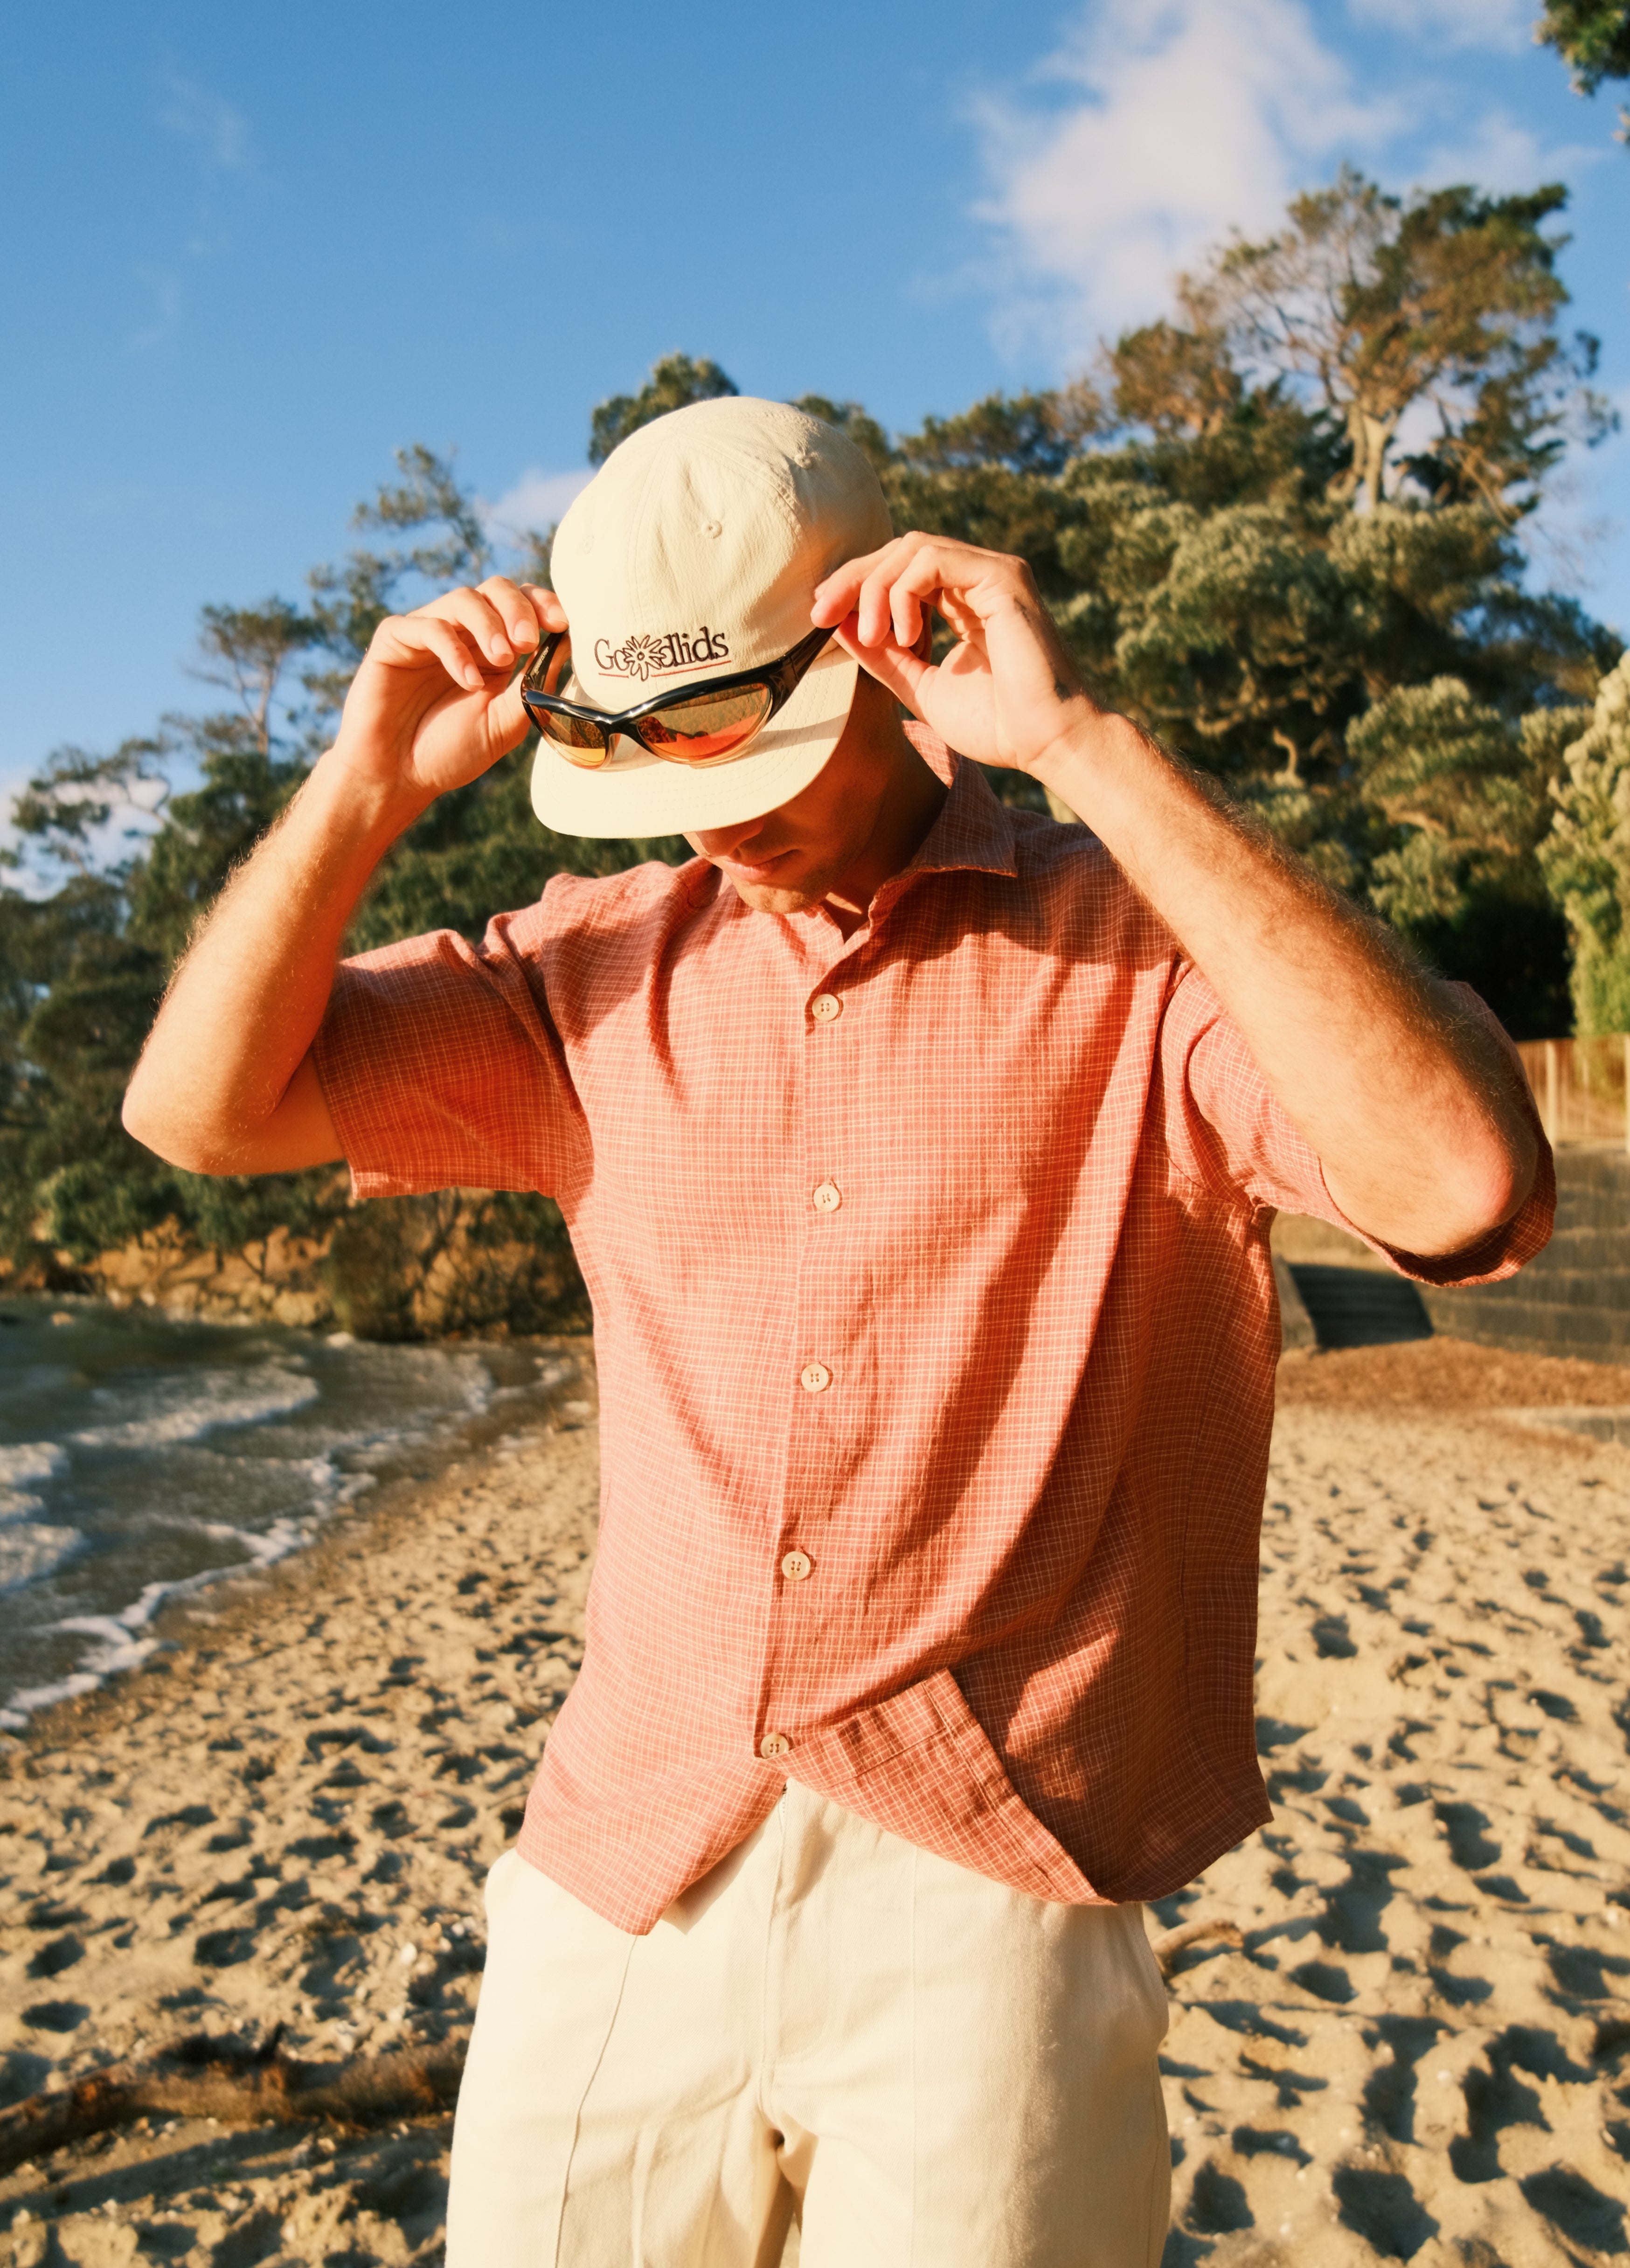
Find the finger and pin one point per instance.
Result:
(411, 638)
(547, 606)
(894, 667)
(837, 596)
(513, 608)
(909, 595)
(476, 613)
(506, 723)
(890, 606)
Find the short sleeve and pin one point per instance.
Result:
(442, 1068)
(1225, 1130)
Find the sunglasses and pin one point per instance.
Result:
(706, 723)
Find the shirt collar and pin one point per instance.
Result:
(973, 833)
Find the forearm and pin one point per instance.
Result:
(1412, 1108)
(244, 1006)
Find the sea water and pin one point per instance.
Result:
(142, 1459)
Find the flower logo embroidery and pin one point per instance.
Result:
(638, 656)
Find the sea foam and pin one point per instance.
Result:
(185, 1407)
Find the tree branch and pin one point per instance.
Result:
(221, 2078)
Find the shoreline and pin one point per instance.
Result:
(121, 1630)
(1420, 2044)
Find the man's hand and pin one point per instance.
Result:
(433, 705)
(1007, 692)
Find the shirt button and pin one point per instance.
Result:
(825, 1006)
(775, 1744)
(814, 1378)
(796, 1565)
(828, 1197)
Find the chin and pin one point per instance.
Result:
(773, 898)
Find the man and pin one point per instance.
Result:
(920, 1156)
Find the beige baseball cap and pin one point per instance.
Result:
(694, 552)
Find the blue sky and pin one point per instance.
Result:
(249, 254)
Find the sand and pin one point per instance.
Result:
(1421, 2050)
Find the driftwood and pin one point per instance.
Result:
(237, 2086)
(1171, 1942)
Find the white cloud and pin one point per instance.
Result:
(1155, 129)
(1500, 154)
(197, 113)
(536, 500)
(1502, 25)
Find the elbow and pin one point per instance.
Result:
(145, 1120)
(138, 1118)
(1488, 1186)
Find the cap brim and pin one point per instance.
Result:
(636, 793)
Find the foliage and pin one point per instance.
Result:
(674, 384)
(1593, 39)
(84, 964)
(1444, 303)
(1244, 553)
(1586, 857)
(459, 1260)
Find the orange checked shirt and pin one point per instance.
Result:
(936, 1331)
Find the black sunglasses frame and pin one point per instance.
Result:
(783, 679)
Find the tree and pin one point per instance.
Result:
(1593, 39)
(1465, 794)
(1446, 303)
(351, 599)
(246, 650)
(1215, 582)
(860, 426)
(674, 384)
(1176, 379)
(1027, 433)
(1380, 684)
(1586, 857)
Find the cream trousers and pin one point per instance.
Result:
(923, 2068)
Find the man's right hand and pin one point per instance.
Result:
(433, 705)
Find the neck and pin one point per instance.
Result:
(909, 804)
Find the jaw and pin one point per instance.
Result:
(766, 898)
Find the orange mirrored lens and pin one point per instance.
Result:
(584, 743)
(710, 728)
(574, 737)
(579, 743)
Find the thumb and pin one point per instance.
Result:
(896, 668)
(507, 723)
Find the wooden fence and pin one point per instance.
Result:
(1580, 1086)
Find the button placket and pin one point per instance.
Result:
(821, 1310)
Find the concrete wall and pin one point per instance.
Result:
(1575, 1299)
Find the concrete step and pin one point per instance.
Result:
(1560, 1287)
(1352, 1306)
(1296, 1324)
(1599, 1169)
(1600, 1334)
(1590, 1213)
